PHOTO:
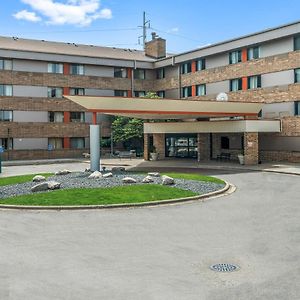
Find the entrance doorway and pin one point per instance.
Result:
(181, 145)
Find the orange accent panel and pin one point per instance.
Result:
(66, 117)
(244, 83)
(66, 91)
(193, 66)
(129, 72)
(244, 55)
(66, 142)
(193, 90)
(129, 93)
(94, 118)
(66, 69)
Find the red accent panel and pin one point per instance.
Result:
(66, 91)
(129, 93)
(193, 66)
(66, 69)
(244, 55)
(66, 142)
(193, 90)
(66, 117)
(129, 72)
(94, 118)
(244, 83)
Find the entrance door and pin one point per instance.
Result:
(182, 146)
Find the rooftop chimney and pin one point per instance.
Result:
(156, 48)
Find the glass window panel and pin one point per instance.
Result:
(120, 73)
(77, 117)
(121, 93)
(6, 90)
(77, 143)
(200, 65)
(297, 43)
(201, 90)
(297, 75)
(7, 64)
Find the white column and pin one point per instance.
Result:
(95, 147)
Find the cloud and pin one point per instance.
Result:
(71, 12)
(27, 15)
(173, 30)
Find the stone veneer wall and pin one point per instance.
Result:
(251, 148)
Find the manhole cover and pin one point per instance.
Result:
(224, 267)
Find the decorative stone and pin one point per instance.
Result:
(118, 169)
(128, 180)
(95, 175)
(53, 185)
(63, 172)
(40, 187)
(154, 174)
(87, 170)
(166, 180)
(148, 179)
(107, 175)
(38, 178)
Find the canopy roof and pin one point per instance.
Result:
(144, 108)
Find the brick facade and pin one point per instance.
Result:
(251, 148)
(203, 140)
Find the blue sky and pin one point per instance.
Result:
(185, 24)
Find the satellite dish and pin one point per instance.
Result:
(222, 97)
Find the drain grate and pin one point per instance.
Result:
(224, 267)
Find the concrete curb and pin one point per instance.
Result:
(203, 197)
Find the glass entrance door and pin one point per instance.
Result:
(183, 146)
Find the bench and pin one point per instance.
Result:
(223, 156)
(125, 154)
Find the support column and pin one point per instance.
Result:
(146, 146)
(95, 148)
(251, 148)
(159, 143)
(203, 146)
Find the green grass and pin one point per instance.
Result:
(20, 179)
(195, 177)
(101, 196)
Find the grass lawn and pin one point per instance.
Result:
(197, 177)
(20, 179)
(101, 196)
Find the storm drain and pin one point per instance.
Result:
(224, 268)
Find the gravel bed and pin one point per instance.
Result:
(80, 180)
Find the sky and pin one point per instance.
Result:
(185, 24)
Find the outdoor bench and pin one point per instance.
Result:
(223, 156)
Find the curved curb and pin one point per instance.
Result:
(202, 197)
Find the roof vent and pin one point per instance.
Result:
(15, 38)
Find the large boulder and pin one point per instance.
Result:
(167, 180)
(107, 175)
(63, 172)
(128, 180)
(148, 179)
(53, 185)
(95, 175)
(40, 187)
(118, 169)
(154, 174)
(38, 178)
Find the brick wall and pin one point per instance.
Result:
(286, 156)
(159, 143)
(251, 148)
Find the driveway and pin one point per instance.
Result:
(160, 253)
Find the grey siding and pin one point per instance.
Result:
(30, 143)
(30, 116)
(101, 71)
(277, 47)
(173, 94)
(217, 60)
(276, 110)
(217, 87)
(172, 72)
(29, 91)
(278, 78)
(88, 117)
(279, 143)
(30, 66)
(98, 92)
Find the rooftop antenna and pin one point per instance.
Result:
(146, 25)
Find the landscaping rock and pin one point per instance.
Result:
(87, 170)
(148, 179)
(107, 175)
(154, 174)
(166, 180)
(128, 180)
(95, 175)
(53, 185)
(118, 169)
(63, 172)
(40, 187)
(38, 178)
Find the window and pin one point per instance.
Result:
(200, 64)
(77, 143)
(297, 42)
(121, 93)
(138, 94)
(297, 75)
(186, 92)
(139, 74)
(6, 90)
(77, 92)
(254, 82)
(160, 73)
(186, 68)
(5, 64)
(235, 57)
(297, 108)
(161, 94)
(55, 68)
(235, 84)
(120, 73)
(224, 142)
(54, 92)
(77, 69)
(56, 116)
(6, 115)
(201, 90)
(56, 143)
(77, 117)
(253, 53)
(6, 143)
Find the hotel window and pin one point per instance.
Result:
(235, 84)
(186, 92)
(224, 142)
(120, 73)
(77, 92)
(160, 73)
(5, 64)
(297, 42)
(6, 115)
(121, 93)
(55, 68)
(56, 143)
(235, 57)
(77, 143)
(253, 53)
(54, 92)
(254, 82)
(200, 64)
(56, 116)
(77, 69)
(186, 68)
(77, 117)
(6, 143)
(297, 75)
(201, 90)
(139, 94)
(139, 74)
(6, 90)
(161, 94)
(297, 108)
